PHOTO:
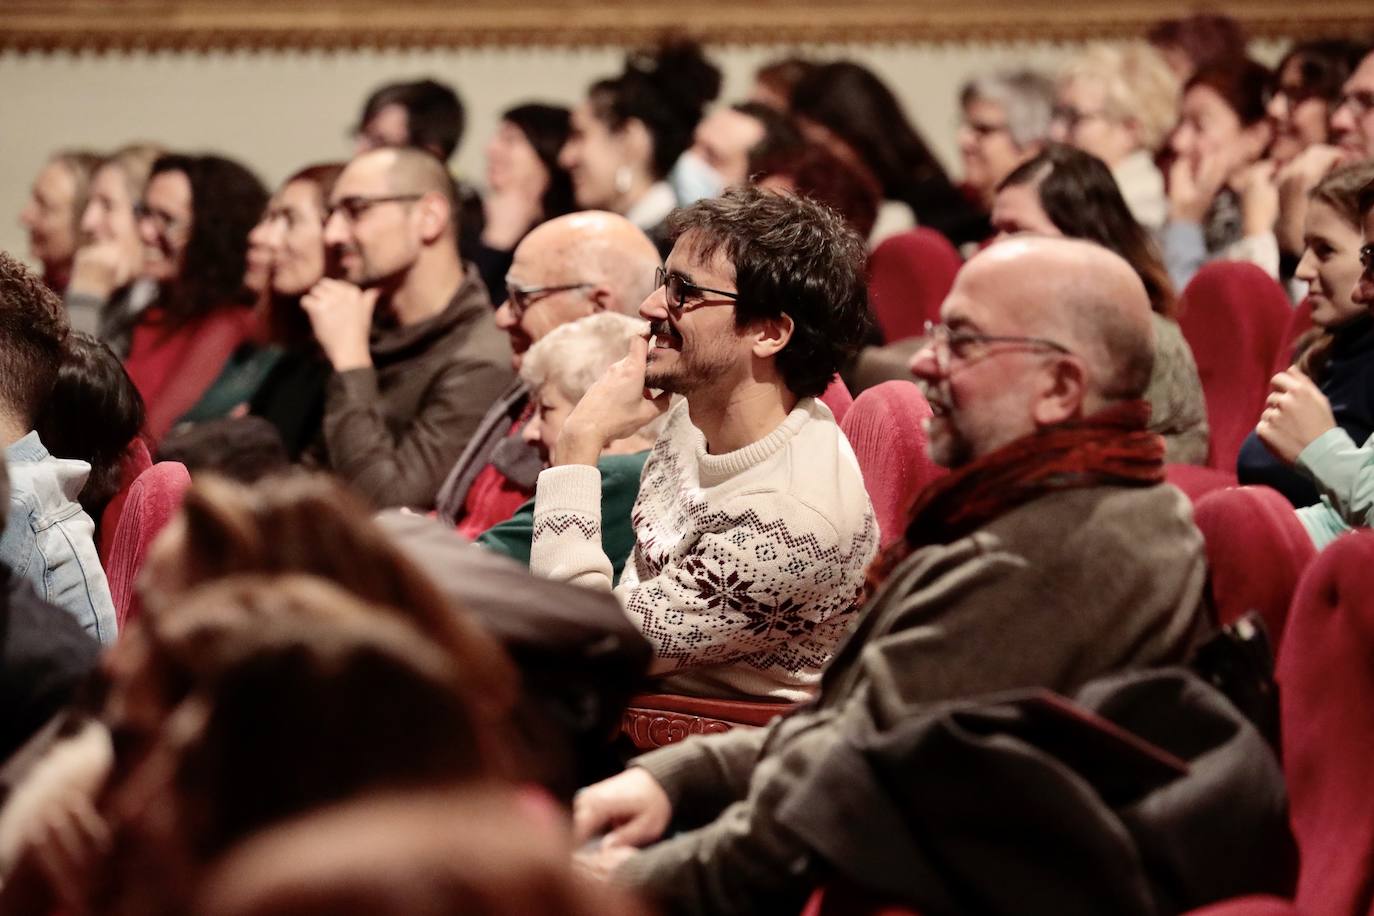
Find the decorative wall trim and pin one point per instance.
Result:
(203, 25)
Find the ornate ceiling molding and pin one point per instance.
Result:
(203, 25)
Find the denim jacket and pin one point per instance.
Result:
(48, 539)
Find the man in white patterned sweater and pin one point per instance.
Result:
(753, 528)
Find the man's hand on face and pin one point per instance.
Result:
(614, 407)
(1295, 414)
(341, 317)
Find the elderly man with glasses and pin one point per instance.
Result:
(408, 331)
(1052, 554)
(567, 268)
(752, 526)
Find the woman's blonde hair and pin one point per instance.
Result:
(1137, 85)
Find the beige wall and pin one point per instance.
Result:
(277, 112)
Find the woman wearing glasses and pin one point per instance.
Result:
(195, 218)
(1338, 353)
(1065, 191)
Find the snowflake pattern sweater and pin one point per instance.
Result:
(746, 566)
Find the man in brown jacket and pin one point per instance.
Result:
(417, 357)
(1053, 554)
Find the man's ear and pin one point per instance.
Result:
(435, 215)
(1062, 392)
(602, 299)
(771, 335)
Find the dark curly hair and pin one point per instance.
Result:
(33, 328)
(227, 201)
(1080, 196)
(93, 413)
(791, 256)
(666, 90)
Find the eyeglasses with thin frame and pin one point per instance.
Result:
(353, 207)
(1071, 117)
(522, 297)
(1360, 103)
(677, 289)
(945, 343)
(165, 222)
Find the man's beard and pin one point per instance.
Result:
(691, 367)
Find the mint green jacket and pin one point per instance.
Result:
(1344, 475)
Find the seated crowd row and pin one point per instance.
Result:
(652, 425)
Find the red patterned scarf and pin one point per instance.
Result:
(1110, 447)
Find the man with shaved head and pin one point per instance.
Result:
(563, 270)
(1052, 554)
(409, 333)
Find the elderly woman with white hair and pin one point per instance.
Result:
(1006, 120)
(1119, 104)
(559, 368)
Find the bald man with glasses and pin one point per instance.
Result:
(565, 269)
(407, 329)
(1052, 554)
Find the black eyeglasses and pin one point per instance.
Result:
(354, 207)
(678, 289)
(165, 221)
(960, 344)
(983, 129)
(1293, 96)
(522, 297)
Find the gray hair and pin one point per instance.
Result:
(1025, 95)
(573, 356)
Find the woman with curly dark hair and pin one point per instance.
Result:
(194, 220)
(627, 136)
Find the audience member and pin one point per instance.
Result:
(1299, 426)
(195, 218)
(475, 852)
(775, 81)
(1035, 378)
(813, 171)
(424, 113)
(408, 332)
(558, 370)
(1222, 202)
(1119, 104)
(48, 540)
(1006, 120)
(525, 185)
(44, 654)
(309, 697)
(52, 215)
(627, 135)
(752, 526)
(1306, 88)
(1065, 191)
(567, 268)
(93, 414)
(108, 289)
(724, 144)
(1352, 120)
(1338, 354)
(1199, 41)
(848, 108)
